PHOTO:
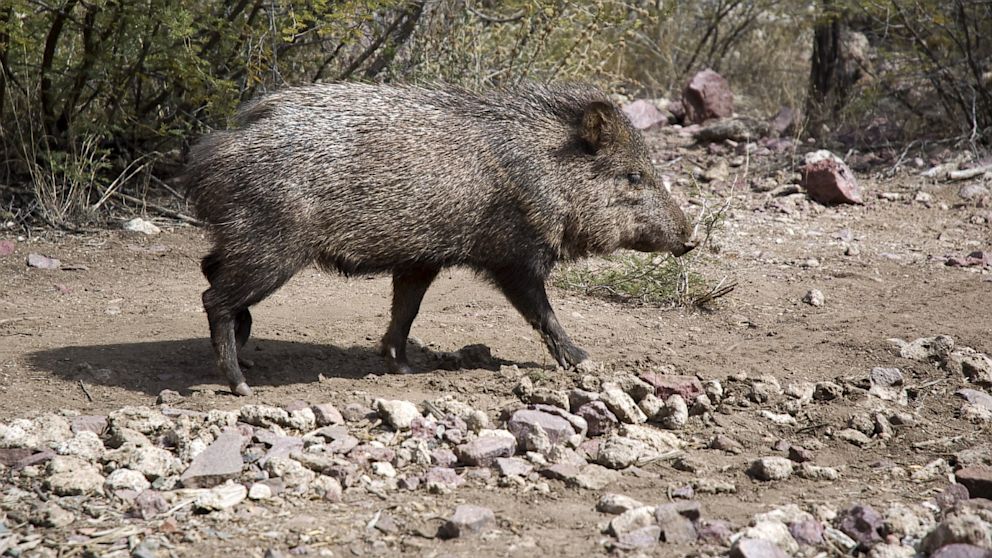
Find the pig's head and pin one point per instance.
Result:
(621, 202)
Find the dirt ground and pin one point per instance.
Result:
(127, 323)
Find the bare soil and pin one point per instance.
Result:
(127, 323)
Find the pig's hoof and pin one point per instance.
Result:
(587, 366)
(399, 367)
(242, 389)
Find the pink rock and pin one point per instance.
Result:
(828, 180)
(92, 423)
(484, 450)
(706, 96)
(977, 479)
(523, 422)
(443, 457)
(598, 417)
(43, 262)
(6, 247)
(784, 123)
(667, 385)
(975, 397)
(974, 259)
(644, 114)
(756, 548)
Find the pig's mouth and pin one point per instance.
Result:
(679, 249)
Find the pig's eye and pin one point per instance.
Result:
(634, 178)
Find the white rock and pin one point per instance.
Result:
(142, 419)
(259, 491)
(676, 413)
(774, 532)
(221, 497)
(265, 415)
(292, 472)
(622, 405)
(85, 444)
(142, 226)
(617, 504)
(328, 488)
(397, 413)
(151, 461)
(303, 420)
(771, 468)
(384, 469)
(126, 479)
(71, 476)
(632, 520)
(814, 297)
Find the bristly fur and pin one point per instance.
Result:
(375, 178)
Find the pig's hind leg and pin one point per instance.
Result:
(409, 286)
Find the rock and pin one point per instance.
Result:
(716, 532)
(219, 462)
(293, 473)
(622, 405)
(616, 504)
(677, 521)
(976, 367)
(141, 419)
(645, 537)
(962, 528)
(551, 397)
(356, 412)
(827, 391)
(7, 247)
(327, 414)
(168, 397)
(151, 461)
(972, 192)
(908, 520)
(631, 520)
(863, 524)
(221, 497)
(951, 496)
(598, 417)
(651, 406)
(800, 454)
(666, 385)
(51, 515)
(148, 504)
(513, 466)
(442, 480)
(329, 489)
(976, 397)
(484, 450)
(771, 468)
(141, 226)
(739, 129)
(828, 180)
(302, 419)
(887, 384)
(644, 114)
(259, 491)
(589, 477)
(961, 551)
(809, 471)
(396, 413)
(814, 297)
(706, 96)
(126, 479)
(90, 423)
(675, 414)
(807, 532)
(468, 520)
(756, 548)
(72, 476)
(764, 389)
(883, 428)
(726, 443)
(853, 436)
(936, 469)
(977, 479)
(773, 531)
(525, 423)
(892, 551)
(620, 452)
(783, 124)
(926, 349)
(85, 444)
(38, 261)
(443, 457)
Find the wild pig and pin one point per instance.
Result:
(410, 180)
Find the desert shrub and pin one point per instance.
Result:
(88, 87)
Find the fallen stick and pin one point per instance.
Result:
(969, 173)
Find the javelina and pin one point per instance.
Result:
(410, 180)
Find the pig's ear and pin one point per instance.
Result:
(600, 126)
